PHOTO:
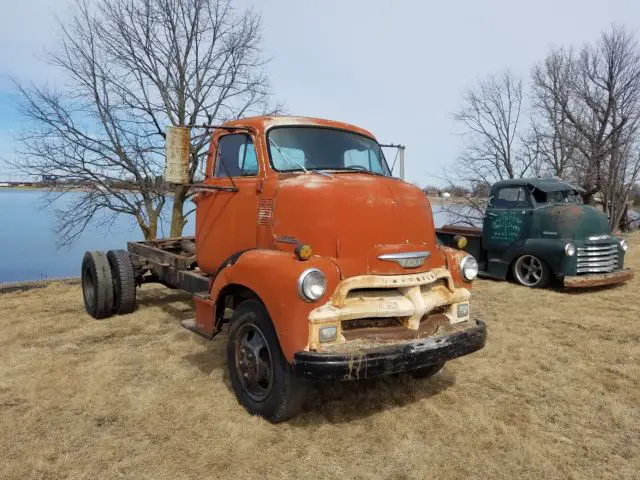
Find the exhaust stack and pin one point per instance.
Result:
(178, 144)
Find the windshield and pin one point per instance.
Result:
(316, 148)
(564, 196)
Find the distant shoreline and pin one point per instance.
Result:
(32, 284)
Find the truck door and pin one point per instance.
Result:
(506, 220)
(226, 220)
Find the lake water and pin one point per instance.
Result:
(28, 248)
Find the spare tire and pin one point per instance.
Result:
(124, 281)
(97, 285)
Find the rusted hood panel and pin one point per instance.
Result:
(572, 221)
(354, 218)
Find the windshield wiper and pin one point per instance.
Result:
(297, 163)
(357, 169)
(287, 158)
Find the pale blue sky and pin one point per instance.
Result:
(396, 68)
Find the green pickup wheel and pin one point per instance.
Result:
(531, 271)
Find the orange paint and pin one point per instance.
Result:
(349, 219)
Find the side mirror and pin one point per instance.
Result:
(490, 202)
(178, 145)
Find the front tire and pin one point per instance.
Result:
(261, 377)
(531, 271)
(97, 285)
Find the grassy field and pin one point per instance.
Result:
(555, 394)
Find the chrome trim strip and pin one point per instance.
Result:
(403, 255)
(596, 270)
(606, 236)
(597, 254)
(596, 248)
(605, 263)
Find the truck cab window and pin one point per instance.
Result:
(236, 156)
(317, 148)
(362, 158)
(511, 197)
(539, 196)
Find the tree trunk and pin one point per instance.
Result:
(149, 231)
(177, 211)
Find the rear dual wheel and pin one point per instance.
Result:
(97, 285)
(124, 281)
(108, 283)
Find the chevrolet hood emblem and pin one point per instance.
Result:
(406, 259)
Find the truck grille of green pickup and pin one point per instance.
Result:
(597, 258)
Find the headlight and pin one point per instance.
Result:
(469, 268)
(312, 285)
(624, 244)
(570, 249)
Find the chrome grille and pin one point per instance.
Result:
(598, 258)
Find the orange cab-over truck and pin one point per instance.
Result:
(323, 265)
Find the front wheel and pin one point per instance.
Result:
(531, 271)
(261, 377)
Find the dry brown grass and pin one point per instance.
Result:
(555, 394)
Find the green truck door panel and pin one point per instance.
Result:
(507, 220)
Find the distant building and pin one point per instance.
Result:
(48, 179)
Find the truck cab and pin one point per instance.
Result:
(538, 229)
(321, 264)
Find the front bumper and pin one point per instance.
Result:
(457, 340)
(598, 280)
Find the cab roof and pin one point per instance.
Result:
(547, 184)
(265, 122)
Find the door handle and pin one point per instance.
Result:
(492, 214)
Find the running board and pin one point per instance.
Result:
(190, 324)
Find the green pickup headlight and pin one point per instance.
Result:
(570, 249)
(624, 245)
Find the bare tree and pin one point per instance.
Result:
(591, 102)
(133, 67)
(551, 130)
(491, 120)
(494, 145)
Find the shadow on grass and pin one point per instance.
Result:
(211, 358)
(338, 402)
(342, 402)
(157, 299)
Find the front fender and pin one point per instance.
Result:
(551, 250)
(273, 276)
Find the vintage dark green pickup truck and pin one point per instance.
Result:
(538, 229)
